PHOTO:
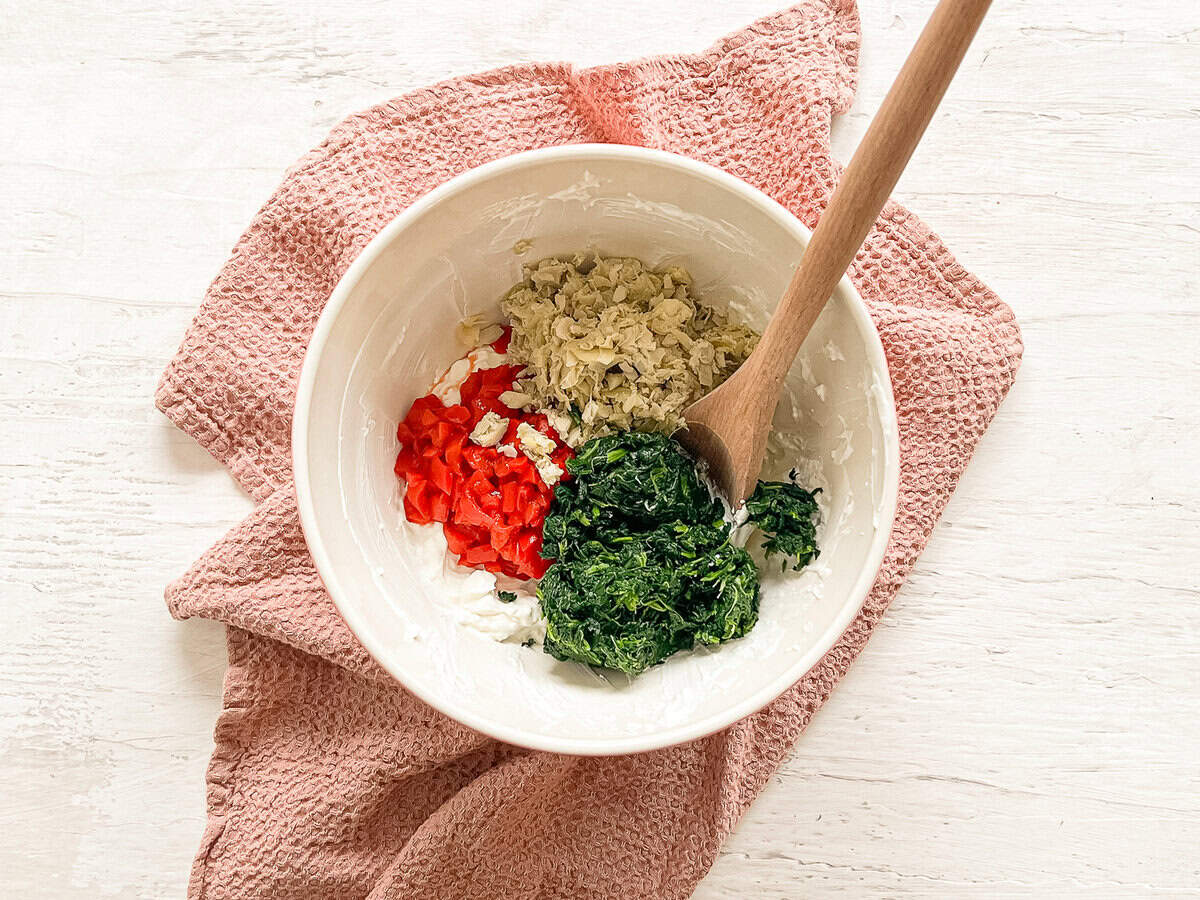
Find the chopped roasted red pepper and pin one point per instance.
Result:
(479, 483)
(468, 511)
(439, 508)
(478, 458)
(506, 467)
(491, 506)
(508, 497)
(458, 538)
(418, 502)
(453, 452)
(478, 555)
(441, 475)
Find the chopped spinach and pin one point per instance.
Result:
(786, 513)
(643, 564)
(625, 483)
(644, 567)
(506, 596)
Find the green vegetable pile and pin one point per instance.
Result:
(643, 564)
(787, 513)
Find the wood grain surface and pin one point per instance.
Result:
(1026, 720)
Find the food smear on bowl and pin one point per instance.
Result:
(545, 457)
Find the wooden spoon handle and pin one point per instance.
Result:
(868, 180)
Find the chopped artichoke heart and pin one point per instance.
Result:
(616, 345)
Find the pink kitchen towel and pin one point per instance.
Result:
(330, 781)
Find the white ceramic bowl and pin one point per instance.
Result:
(388, 331)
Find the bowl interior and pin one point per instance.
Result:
(389, 331)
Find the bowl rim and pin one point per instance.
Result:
(328, 572)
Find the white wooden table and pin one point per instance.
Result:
(1026, 721)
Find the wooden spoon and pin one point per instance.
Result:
(729, 426)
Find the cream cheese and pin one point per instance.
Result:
(471, 594)
(447, 385)
(490, 430)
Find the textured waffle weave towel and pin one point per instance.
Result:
(328, 780)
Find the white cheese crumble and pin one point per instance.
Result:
(490, 430)
(533, 442)
(507, 450)
(537, 447)
(550, 471)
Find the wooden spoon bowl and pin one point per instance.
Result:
(728, 428)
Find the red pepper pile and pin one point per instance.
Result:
(491, 506)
